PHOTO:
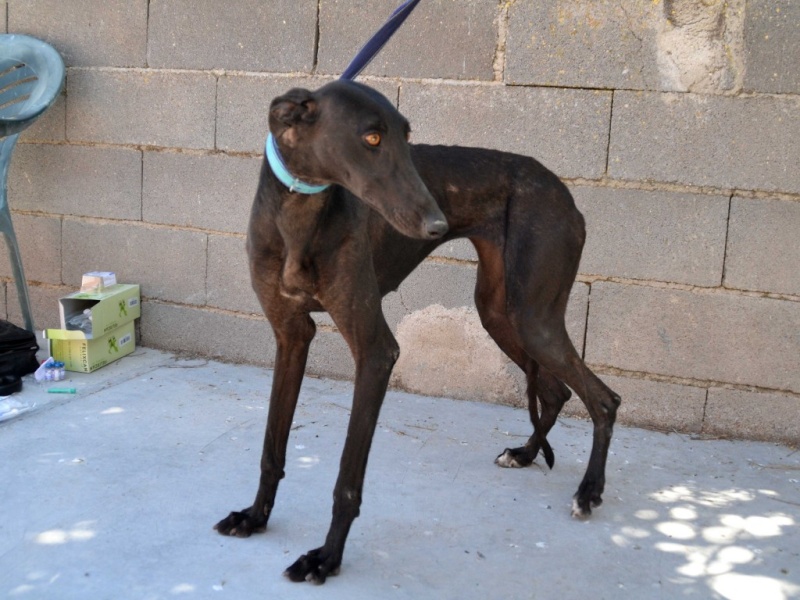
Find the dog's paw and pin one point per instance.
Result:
(516, 458)
(585, 499)
(314, 567)
(241, 524)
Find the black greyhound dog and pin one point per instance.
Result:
(341, 248)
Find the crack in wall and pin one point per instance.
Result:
(499, 61)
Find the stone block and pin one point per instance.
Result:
(440, 39)
(746, 142)
(764, 246)
(150, 108)
(460, 249)
(567, 130)
(661, 236)
(243, 106)
(716, 337)
(771, 44)
(753, 415)
(452, 286)
(579, 44)
(449, 284)
(212, 192)
(111, 33)
(278, 35)
(168, 264)
(670, 46)
(209, 333)
(51, 126)
(229, 275)
(652, 404)
(39, 239)
(44, 305)
(77, 180)
(447, 352)
(330, 357)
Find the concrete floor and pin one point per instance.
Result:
(111, 494)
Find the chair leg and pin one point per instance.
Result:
(7, 227)
(19, 272)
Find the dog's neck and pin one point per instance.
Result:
(280, 170)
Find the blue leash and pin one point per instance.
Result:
(361, 60)
(378, 41)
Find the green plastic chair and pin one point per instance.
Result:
(31, 78)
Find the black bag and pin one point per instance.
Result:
(18, 349)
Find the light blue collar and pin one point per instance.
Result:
(282, 173)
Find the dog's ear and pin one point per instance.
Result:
(295, 106)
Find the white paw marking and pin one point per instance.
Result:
(577, 511)
(506, 460)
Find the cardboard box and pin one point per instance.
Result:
(85, 354)
(109, 308)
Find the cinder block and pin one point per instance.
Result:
(628, 44)
(753, 415)
(168, 264)
(580, 44)
(771, 43)
(77, 180)
(440, 39)
(453, 285)
(51, 126)
(229, 275)
(211, 192)
(662, 236)
(447, 352)
(461, 249)
(652, 404)
(748, 143)
(44, 305)
(243, 35)
(39, 239)
(210, 333)
(707, 336)
(244, 100)
(565, 129)
(330, 357)
(764, 246)
(129, 107)
(86, 32)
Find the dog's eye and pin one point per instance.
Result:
(373, 139)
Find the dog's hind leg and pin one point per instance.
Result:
(544, 267)
(490, 300)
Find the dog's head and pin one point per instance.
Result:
(349, 134)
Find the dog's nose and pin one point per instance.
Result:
(436, 228)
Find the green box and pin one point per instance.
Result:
(81, 353)
(110, 308)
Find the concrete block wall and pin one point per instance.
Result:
(676, 125)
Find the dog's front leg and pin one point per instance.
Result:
(293, 336)
(356, 310)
